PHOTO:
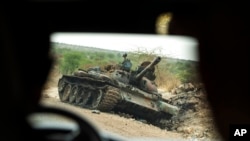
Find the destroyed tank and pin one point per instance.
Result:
(119, 90)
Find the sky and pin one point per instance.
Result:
(181, 47)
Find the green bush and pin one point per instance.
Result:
(70, 62)
(186, 71)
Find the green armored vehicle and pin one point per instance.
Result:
(118, 89)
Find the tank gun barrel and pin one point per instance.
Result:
(144, 71)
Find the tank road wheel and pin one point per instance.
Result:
(85, 99)
(96, 99)
(82, 97)
(61, 86)
(73, 93)
(66, 93)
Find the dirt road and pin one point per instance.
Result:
(126, 127)
(191, 125)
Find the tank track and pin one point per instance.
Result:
(110, 99)
(89, 93)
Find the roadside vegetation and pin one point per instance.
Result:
(170, 72)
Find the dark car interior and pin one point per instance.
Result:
(221, 28)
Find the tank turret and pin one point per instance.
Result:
(147, 68)
(143, 77)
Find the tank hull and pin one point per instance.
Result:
(89, 91)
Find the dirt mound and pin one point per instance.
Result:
(195, 118)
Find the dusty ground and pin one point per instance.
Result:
(108, 121)
(193, 123)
